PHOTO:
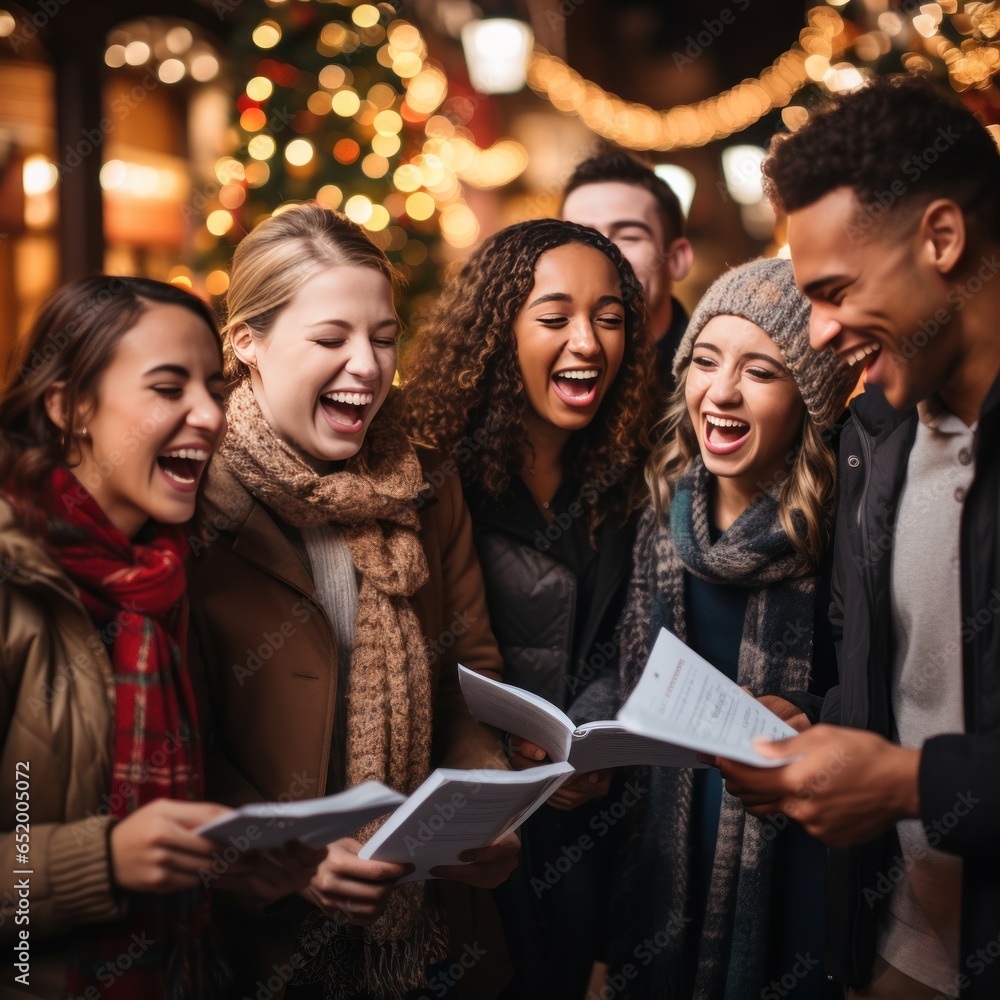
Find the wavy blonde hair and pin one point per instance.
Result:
(806, 493)
(274, 260)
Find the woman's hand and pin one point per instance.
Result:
(155, 848)
(349, 889)
(271, 875)
(486, 867)
(524, 753)
(579, 789)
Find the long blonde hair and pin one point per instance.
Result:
(279, 256)
(806, 493)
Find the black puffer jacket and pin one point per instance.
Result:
(533, 599)
(874, 451)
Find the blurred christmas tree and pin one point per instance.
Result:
(339, 102)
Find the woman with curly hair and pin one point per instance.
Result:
(731, 557)
(534, 377)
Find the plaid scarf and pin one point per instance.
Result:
(134, 593)
(727, 961)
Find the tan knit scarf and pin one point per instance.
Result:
(372, 501)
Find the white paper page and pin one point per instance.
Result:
(610, 744)
(518, 712)
(681, 698)
(455, 811)
(316, 822)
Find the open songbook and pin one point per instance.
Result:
(454, 811)
(261, 826)
(681, 706)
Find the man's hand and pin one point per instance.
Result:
(848, 786)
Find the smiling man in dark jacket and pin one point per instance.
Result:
(893, 202)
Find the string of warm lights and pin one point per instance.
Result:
(814, 59)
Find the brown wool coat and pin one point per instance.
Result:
(270, 665)
(57, 706)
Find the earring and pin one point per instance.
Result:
(83, 432)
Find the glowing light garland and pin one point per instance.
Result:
(812, 60)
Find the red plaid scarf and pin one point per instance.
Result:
(134, 592)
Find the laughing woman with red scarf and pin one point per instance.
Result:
(105, 429)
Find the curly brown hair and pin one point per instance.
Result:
(464, 395)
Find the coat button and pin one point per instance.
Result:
(960, 493)
(853, 461)
(965, 456)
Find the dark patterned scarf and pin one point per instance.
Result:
(754, 553)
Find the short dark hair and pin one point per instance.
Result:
(626, 169)
(898, 142)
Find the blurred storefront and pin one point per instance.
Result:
(148, 143)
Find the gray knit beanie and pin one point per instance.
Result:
(763, 291)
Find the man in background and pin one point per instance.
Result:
(625, 201)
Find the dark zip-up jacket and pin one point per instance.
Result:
(959, 773)
(532, 600)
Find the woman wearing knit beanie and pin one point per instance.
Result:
(730, 557)
(331, 598)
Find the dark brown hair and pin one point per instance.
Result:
(462, 380)
(72, 340)
(625, 169)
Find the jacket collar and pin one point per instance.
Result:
(876, 417)
(24, 561)
(990, 411)
(257, 537)
(614, 547)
